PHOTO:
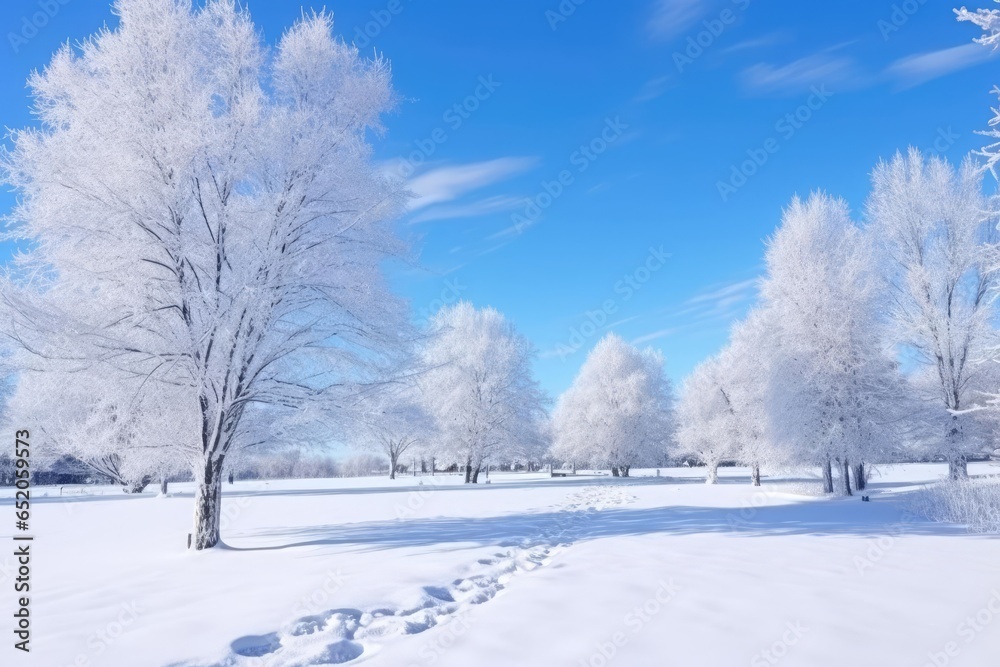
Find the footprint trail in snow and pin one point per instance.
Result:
(341, 636)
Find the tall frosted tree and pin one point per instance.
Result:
(937, 233)
(203, 213)
(478, 387)
(619, 411)
(837, 380)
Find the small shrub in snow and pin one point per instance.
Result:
(975, 503)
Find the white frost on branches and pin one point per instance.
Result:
(837, 382)
(704, 418)
(989, 21)
(205, 215)
(479, 388)
(619, 412)
(937, 235)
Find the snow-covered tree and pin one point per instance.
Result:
(126, 431)
(619, 411)
(394, 421)
(478, 387)
(989, 21)
(204, 214)
(937, 234)
(705, 419)
(749, 367)
(838, 384)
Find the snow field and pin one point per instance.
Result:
(587, 571)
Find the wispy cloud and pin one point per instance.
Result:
(762, 42)
(671, 18)
(717, 305)
(653, 89)
(449, 183)
(619, 323)
(656, 335)
(476, 209)
(719, 302)
(923, 67)
(512, 230)
(794, 77)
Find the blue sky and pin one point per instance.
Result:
(567, 163)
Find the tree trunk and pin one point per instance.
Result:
(625, 470)
(475, 474)
(860, 477)
(138, 486)
(755, 475)
(614, 471)
(208, 505)
(468, 471)
(958, 464)
(574, 468)
(713, 474)
(163, 486)
(847, 478)
(828, 477)
(958, 467)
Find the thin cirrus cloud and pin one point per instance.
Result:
(720, 304)
(656, 335)
(762, 42)
(720, 301)
(449, 183)
(923, 67)
(476, 209)
(671, 18)
(824, 68)
(841, 71)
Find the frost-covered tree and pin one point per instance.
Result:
(128, 432)
(394, 421)
(837, 382)
(203, 213)
(989, 21)
(937, 234)
(749, 371)
(619, 411)
(705, 419)
(478, 387)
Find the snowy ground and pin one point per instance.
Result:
(527, 571)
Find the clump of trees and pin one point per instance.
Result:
(813, 376)
(201, 285)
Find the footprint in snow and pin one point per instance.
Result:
(339, 636)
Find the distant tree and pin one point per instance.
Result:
(204, 214)
(705, 419)
(937, 236)
(394, 421)
(479, 389)
(619, 411)
(749, 363)
(128, 432)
